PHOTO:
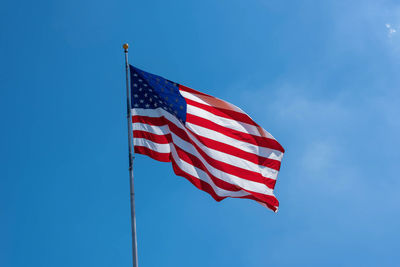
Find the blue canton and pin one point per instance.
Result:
(150, 91)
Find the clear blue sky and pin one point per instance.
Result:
(321, 76)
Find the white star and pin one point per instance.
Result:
(155, 104)
(141, 100)
(136, 105)
(145, 85)
(145, 95)
(135, 95)
(140, 89)
(140, 80)
(135, 74)
(150, 99)
(147, 105)
(135, 85)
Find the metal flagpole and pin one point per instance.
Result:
(130, 138)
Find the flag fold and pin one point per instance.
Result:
(210, 142)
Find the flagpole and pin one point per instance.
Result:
(130, 138)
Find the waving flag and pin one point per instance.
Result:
(210, 142)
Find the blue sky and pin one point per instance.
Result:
(321, 76)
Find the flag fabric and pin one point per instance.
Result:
(210, 142)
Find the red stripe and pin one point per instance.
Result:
(223, 147)
(225, 113)
(222, 166)
(226, 110)
(270, 201)
(200, 184)
(194, 161)
(164, 157)
(272, 207)
(154, 121)
(160, 139)
(245, 137)
(189, 158)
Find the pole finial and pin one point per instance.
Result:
(125, 46)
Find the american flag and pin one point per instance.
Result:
(210, 142)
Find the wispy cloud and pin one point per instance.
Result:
(391, 30)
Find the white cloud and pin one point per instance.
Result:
(391, 29)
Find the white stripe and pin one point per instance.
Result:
(228, 123)
(218, 155)
(199, 99)
(215, 154)
(159, 130)
(162, 148)
(187, 147)
(241, 182)
(217, 136)
(196, 172)
(233, 160)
